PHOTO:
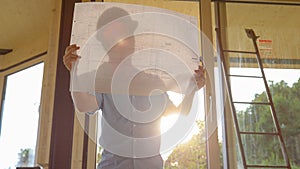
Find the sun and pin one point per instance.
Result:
(167, 122)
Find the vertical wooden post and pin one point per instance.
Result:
(212, 145)
(229, 137)
(63, 111)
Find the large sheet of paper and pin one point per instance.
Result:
(133, 49)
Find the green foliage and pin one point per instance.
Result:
(99, 154)
(24, 157)
(258, 118)
(191, 154)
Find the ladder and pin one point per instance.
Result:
(241, 135)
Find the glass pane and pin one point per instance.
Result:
(245, 71)
(20, 117)
(257, 148)
(244, 89)
(256, 118)
(280, 167)
(277, 26)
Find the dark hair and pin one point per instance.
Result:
(112, 15)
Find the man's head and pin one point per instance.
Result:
(115, 27)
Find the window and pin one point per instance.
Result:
(20, 116)
(277, 27)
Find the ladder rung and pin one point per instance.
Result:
(267, 166)
(258, 133)
(262, 103)
(251, 35)
(239, 51)
(246, 76)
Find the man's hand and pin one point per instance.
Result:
(70, 56)
(200, 77)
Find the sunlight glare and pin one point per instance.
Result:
(167, 122)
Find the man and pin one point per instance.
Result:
(130, 137)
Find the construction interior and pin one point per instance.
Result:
(36, 33)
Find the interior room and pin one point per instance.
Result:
(247, 112)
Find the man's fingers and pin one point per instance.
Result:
(200, 81)
(71, 48)
(70, 56)
(69, 59)
(199, 73)
(200, 76)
